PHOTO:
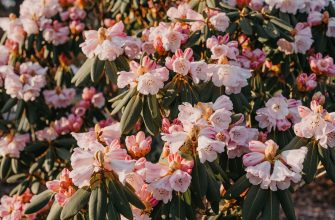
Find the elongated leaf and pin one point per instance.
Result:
(238, 187)
(271, 209)
(4, 167)
(97, 69)
(78, 200)
(124, 100)
(153, 105)
(284, 197)
(83, 72)
(119, 200)
(246, 27)
(296, 143)
(177, 210)
(310, 163)
(133, 198)
(111, 71)
(131, 114)
(55, 211)
(193, 39)
(213, 193)
(254, 202)
(98, 204)
(38, 202)
(149, 122)
(112, 213)
(15, 178)
(8, 105)
(324, 155)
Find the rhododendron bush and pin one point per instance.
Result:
(165, 109)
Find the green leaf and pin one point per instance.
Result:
(119, 199)
(38, 202)
(285, 200)
(325, 157)
(112, 213)
(98, 204)
(131, 114)
(15, 165)
(238, 187)
(97, 69)
(193, 39)
(111, 71)
(15, 178)
(122, 63)
(83, 72)
(213, 193)
(254, 202)
(4, 167)
(271, 209)
(130, 94)
(63, 153)
(10, 103)
(271, 30)
(77, 201)
(245, 25)
(55, 211)
(133, 198)
(153, 105)
(177, 210)
(310, 163)
(295, 143)
(149, 122)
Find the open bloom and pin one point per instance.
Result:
(316, 123)
(148, 76)
(28, 83)
(165, 178)
(201, 128)
(221, 47)
(4, 55)
(306, 83)
(63, 187)
(12, 208)
(14, 29)
(11, 145)
(252, 59)
(303, 38)
(183, 63)
(104, 43)
(47, 134)
(59, 97)
(184, 11)
(270, 170)
(234, 78)
(220, 21)
(322, 65)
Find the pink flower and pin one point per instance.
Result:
(12, 145)
(303, 38)
(287, 6)
(98, 100)
(271, 170)
(331, 27)
(252, 59)
(184, 11)
(4, 56)
(314, 18)
(12, 208)
(59, 98)
(148, 76)
(220, 46)
(104, 43)
(315, 123)
(138, 146)
(13, 27)
(28, 84)
(63, 187)
(285, 46)
(4, 71)
(180, 181)
(306, 83)
(56, 33)
(87, 160)
(322, 65)
(220, 21)
(47, 134)
(234, 78)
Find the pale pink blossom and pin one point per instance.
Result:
(28, 84)
(12, 145)
(138, 146)
(63, 187)
(104, 43)
(220, 21)
(4, 56)
(285, 46)
(286, 6)
(148, 77)
(220, 47)
(306, 83)
(331, 27)
(184, 11)
(4, 71)
(314, 18)
(14, 29)
(47, 134)
(59, 97)
(98, 100)
(270, 170)
(86, 160)
(316, 123)
(56, 33)
(252, 59)
(234, 78)
(322, 65)
(303, 38)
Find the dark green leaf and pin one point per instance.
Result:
(4, 167)
(238, 187)
(285, 200)
(78, 200)
(55, 211)
(10, 103)
(271, 209)
(254, 202)
(97, 69)
(311, 162)
(38, 202)
(131, 114)
(98, 204)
